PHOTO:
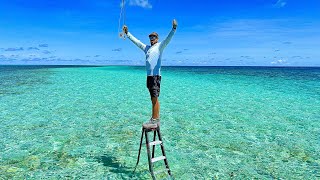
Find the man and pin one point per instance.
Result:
(153, 54)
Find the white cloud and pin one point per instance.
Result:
(280, 3)
(279, 62)
(140, 3)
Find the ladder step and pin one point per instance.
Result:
(161, 171)
(155, 143)
(157, 159)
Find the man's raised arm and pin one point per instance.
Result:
(165, 42)
(133, 39)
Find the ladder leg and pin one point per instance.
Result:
(153, 146)
(139, 150)
(163, 152)
(149, 156)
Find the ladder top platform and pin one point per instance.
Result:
(149, 126)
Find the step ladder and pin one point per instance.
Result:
(151, 159)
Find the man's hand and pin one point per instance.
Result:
(174, 24)
(125, 29)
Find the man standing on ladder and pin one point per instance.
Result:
(153, 54)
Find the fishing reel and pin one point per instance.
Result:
(122, 35)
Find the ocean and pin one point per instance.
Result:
(84, 122)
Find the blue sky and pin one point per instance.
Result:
(216, 33)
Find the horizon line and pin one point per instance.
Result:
(93, 65)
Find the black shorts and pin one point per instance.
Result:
(153, 84)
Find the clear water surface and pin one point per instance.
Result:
(69, 122)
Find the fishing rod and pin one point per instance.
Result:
(122, 18)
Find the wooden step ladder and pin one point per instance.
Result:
(151, 158)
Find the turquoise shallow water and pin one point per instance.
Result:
(217, 122)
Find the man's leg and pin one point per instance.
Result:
(153, 84)
(155, 107)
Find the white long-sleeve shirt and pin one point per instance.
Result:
(153, 53)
